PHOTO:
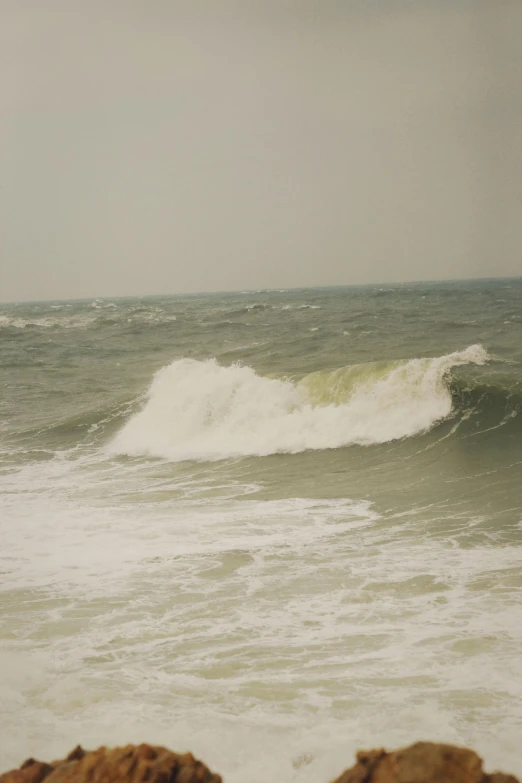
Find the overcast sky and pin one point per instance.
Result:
(164, 146)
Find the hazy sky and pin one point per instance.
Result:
(163, 146)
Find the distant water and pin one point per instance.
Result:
(270, 527)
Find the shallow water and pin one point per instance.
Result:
(263, 525)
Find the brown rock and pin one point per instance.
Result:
(131, 764)
(424, 762)
(31, 771)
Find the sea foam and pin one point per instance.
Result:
(201, 410)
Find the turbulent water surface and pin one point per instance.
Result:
(269, 527)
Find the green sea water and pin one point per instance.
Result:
(285, 519)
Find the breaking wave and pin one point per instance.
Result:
(201, 410)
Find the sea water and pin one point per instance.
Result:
(269, 527)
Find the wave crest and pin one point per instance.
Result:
(201, 410)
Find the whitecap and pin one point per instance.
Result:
(201, 410)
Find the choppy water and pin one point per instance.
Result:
(263, 526)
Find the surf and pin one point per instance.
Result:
(197, 410)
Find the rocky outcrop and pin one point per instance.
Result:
(424, 762)
(131, 764)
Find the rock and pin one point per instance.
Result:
(131, 764)
(423, 762)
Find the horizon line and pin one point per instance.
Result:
(273, 289)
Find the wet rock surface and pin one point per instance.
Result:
(130, 764)
(423, 762)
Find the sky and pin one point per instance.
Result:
(154, 147)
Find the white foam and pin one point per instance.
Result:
(228, 627)
(201, 410)
(46, 322)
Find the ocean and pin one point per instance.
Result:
(270, 527)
